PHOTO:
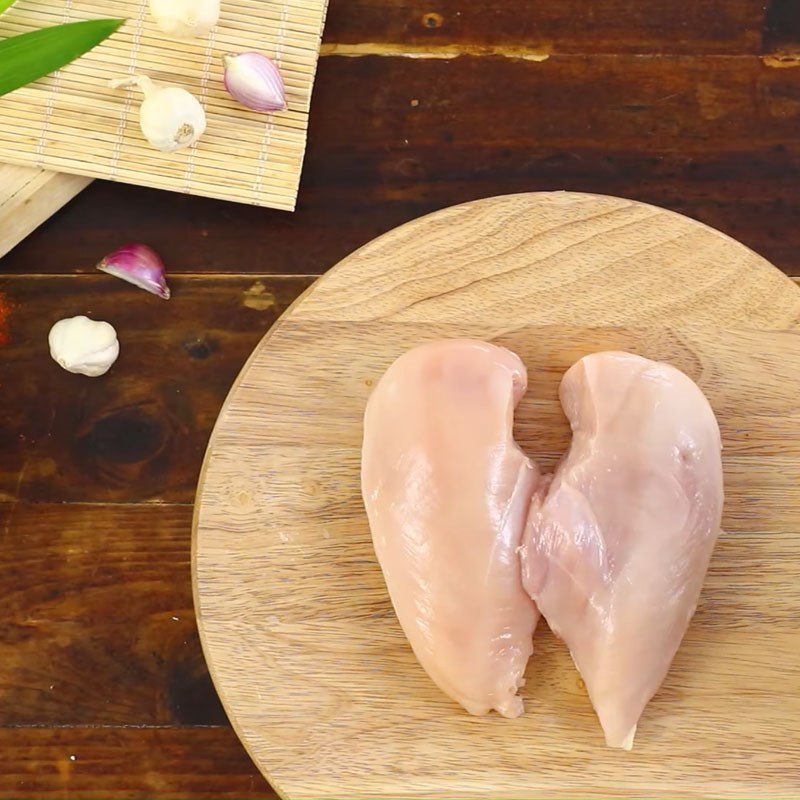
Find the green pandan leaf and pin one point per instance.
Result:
(30, 56)
(4, 4)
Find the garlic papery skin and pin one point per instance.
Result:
(170, 117)
(140, 265)
(185, 18)
(255, 81)
(84, 346)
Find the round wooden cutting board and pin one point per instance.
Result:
(300, 636)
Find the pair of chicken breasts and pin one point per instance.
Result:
(475, 542)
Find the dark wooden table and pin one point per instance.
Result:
(694, 106)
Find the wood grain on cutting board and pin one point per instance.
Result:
(298, 630)
(29, 196)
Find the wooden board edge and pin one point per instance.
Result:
(28, 197)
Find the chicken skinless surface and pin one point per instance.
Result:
(447, 491)
(613, 547)
(617, 546)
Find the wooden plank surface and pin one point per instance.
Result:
(711, 137)
(515, 26)
(57, 620)
(70, 652)
(126, 764)
(96, 476)
(66, 624)
(560, 26)
(139, 434)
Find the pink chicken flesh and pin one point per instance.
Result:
(616, 548)
(446, 491)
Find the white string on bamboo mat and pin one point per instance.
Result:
(126, 106)
(51, 99)
(204, 76)
(263, 153)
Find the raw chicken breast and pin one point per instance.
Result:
(617, 547)
(446, 491)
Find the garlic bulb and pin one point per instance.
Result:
(185, 18)
(84, 346)
(254, 80)
(170, 117)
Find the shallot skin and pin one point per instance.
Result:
(255, 81)
(139, 265)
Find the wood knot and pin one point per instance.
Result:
(199, 347)
(243, 499)
(125, 436)
(432, 20)
(410, 168)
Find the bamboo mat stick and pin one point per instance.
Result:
(29, 196)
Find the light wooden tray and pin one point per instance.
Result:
(300, 636)
(28, 197)
(73, 122)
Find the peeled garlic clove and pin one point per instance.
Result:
(140, 265)
(84, 346)
(254, 80)
(170, 117)
(185, 18)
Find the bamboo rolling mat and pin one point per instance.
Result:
(73, 122)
